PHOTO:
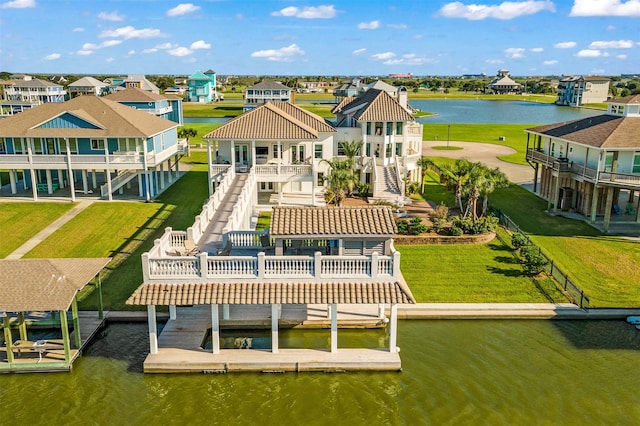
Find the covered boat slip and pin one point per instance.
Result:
(37, 293)
(180, 345)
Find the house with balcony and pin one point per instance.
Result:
(89, 146)
(24, 88)
(266, 91)
(391, 140)
(577, 90)
(169, 108)
(87, 86)
(503, 84)
(202, 87)
(591, 166)
(133, 80)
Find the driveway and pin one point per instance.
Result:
(484, 153)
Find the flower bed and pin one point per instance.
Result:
(427, 239)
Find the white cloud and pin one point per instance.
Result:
(78, 30)
(565, 45)
(589, 53)
(165, 46)
(152, 50)
(504, 10)
(550, 62)
(629, 8)
(130, 32)
(113, 16)
(308, 12)
(418, 36)
(613, 44)
(52, 57)
(131, 52)
(514, 52)
(398, 26)
(180, 51)
(200, 44)
(90, 46)
(407, 59)
(611, 28)
(83, 52)
(537, 49)
(383, 56)
(359, 51)
(182, 9)
(106, 43)
(623, 56)
(494, 61)
(18, 4)
(373, 25)
(284, 54)
(110, 43)
(109, 60)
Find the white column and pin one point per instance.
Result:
(215, 329)
(209, 163)
(334, 328)
(153, 334)
(381, 310)
(147, 176)
(47, 174)
(393, 329)
(60, 179)
(12, 181)
(172, 312)
(72, 184)
(94, 179)
(140, 188)
(161, 165)
(225, 311)
(85, 185)
(274, 328)
(169, 172)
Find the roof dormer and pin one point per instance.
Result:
(629, 106)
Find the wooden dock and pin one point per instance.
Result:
(52, 360)
(180, 344)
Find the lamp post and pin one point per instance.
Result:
(448, 134)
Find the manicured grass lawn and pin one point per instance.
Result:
(606, 268)
(21, 221)
(436, 192)
(202, 129)
(264, 220)
(486, 273)
(514, 134)
(218, 109)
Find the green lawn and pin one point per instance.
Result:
(486, 273)
(21, 221)
(202, 129)
(217, 109)
(606, 268)
(514, 136)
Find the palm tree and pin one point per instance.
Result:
(457, 176)
(340, 179)
(494, 179)
(186, 133)
(425, 164)
(351, 151)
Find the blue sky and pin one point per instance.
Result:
(290, 37)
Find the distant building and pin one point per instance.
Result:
(87, 86)
(352, 88)
(266, 91)
(134, 80)
(315, 86)
(24, 88)
(481, 75)
(408, 75)
(503, 84)
(169, 108)
(577, 90)
(202, 87)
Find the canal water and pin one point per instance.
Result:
(454, 372)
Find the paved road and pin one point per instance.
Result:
(485, 153)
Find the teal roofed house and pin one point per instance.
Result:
(202, 87)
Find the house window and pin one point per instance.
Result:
(388, 151)
(320, 179)
(608, 162)
(276, 153)
(389, 128)
(18, 147)
(340, 148)
(317, 151)
(367, 150)
(399, 128)
(636, 163)
(97, 144)
(73, 145)
(3, 146)
(368, 128)
(378, 129)
(37, 146)
(398, 149)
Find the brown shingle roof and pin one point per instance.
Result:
(376, 105)
(332, 221)
(134, 94)
(602, 131)
(272, 121)
(44, 284)
(257, 293)
(633, 99)
(113, 118)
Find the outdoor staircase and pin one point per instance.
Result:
(386, 186)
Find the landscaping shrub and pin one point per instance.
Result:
(439, 224)
(416, 227)
(518, 240)
(534, 262)
(403, 227)
(482, 225)
(455, 231)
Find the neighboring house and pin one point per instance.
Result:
(503, 84)
(266, 91)
(58, 79)
(202, 87)
(352, 88)
(579, 90)
(391, 140)
(33, 90)
(87, 86)
(91, 143)
(592, 165)
(315, 86)
(134, 80)
(169, 108)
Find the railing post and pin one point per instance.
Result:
(145, 267)
(551, 268)
(317, 264)
(396, 264)
(374, 264)
(190, 233)
(204, 264)
(261, 264)
(566, 281)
